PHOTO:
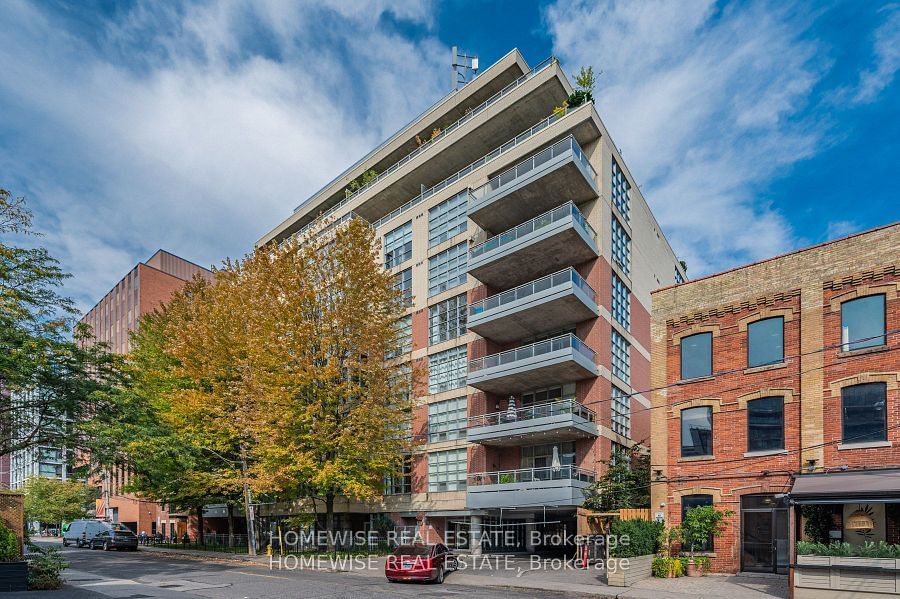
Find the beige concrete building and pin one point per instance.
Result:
(529, 254)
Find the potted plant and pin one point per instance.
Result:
(13, 568)
(701, 524)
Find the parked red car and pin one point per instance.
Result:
(425, 563)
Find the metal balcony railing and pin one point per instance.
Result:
(527, 475)
(529, 351)
(542, 410)
(510, 176)
(537, 223)
(522, 291)
(489, 157)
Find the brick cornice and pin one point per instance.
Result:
(857, 278)
(719, 311)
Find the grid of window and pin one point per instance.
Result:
(403, 283)
(621, 302)
(404, 337)
(447, 320)
(401, 482)
(398, 246)
(541, 456)
(541, 396)
(620, 188)
(447, 470)
(621, 246)
(447, 420)
(447, 269)
(621, 412)
(448, 218)
(621, 360)
(447, 370)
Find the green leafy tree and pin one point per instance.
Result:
(47, 377)
(703, 523)
(624, 484)
(9, 544)
(54, 501)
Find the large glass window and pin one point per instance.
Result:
(448, 218)
(447, 370)
(398, 246)
(404, 337)
(447, 420)
(696, 432)
(620, 188)
(401, 482)
(862, 323)
(621, 358)
(765, 424)
(447, 320)
(621, 302)
(403, 284)
(621, 246)
(621, 412)
(542, 396)
(447, 470)
(447, 269)
(765, 342)
(689, 502)
(864, 412)
(541, 456)
(696, 356)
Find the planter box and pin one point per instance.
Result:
(13, 576)
(824, 577)
(625, 571)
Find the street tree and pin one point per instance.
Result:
(54, 501)
(624, 484)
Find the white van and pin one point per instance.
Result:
(80, 532)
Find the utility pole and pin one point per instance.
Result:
(248, 507)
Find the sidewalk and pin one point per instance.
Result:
(518, 573)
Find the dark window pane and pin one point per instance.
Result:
(765, 419)
(862, 323)
(689, 502)
(765, 342)
(696, 432)
(864, 413)
(696, 356)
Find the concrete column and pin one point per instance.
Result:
(475, 534)
(529, 527)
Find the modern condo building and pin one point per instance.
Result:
(529, 254)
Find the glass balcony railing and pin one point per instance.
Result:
(526, 166)
(530, 351)
(537, 223)
(487, 158)
(527, 475)
(542, 410)
(522, 291)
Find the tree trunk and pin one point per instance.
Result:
(230, 525)
(329, 520)
(200, 531)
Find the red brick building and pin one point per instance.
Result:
(147, 286)
(777, 386)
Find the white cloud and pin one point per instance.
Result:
(164, 130)
(706, 102)
(840, 228)
(886, 48)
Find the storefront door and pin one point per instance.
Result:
(764, 534)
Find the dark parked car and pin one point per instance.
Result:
(420, 562)
(118, 539)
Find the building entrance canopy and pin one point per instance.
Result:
(873, 486)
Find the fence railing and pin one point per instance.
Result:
(527, 475)
(536, 224)
(529, 351)
(528, 289)
(477, 164)
(543, 410)
(532, 162)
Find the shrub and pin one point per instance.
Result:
(9, 545)
(868, 549)
(643, 537)
(45, 567)
(664, 566)
(818, 522)
(702, 523)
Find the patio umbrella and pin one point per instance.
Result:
(555, 464)
(511, 414)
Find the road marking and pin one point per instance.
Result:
(263, 575)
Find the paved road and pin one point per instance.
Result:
(142, 575)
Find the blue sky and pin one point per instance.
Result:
(753, 128)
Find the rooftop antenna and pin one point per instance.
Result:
(464, 66)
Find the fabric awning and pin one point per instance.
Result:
(874, 486)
